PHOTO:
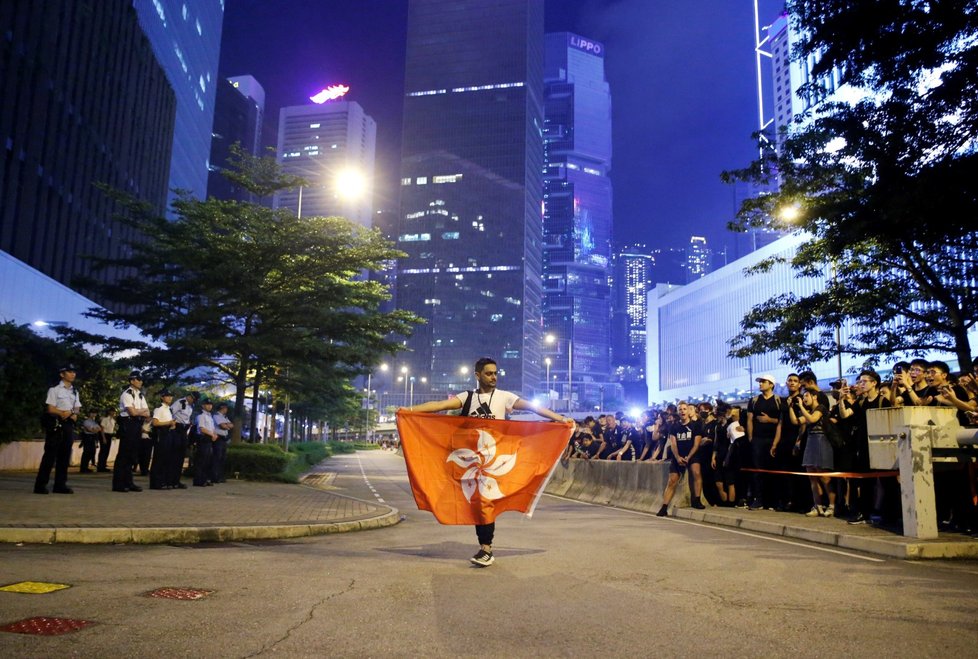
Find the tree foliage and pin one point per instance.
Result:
(881, 176)
(238, 286)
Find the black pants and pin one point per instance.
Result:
(218, 460)
(159, 470)
(485, 532)
(202, 460)
(144, 453)
(103, 451)
(178, 453)
(762, 484)
(88, 442)
(131, 435)
(57, 454)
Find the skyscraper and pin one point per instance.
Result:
(471, 189)
(238, 115)
(633, 280)
(84, 102)
(186, 37)
(577, 220)
(332, 146)
(699, 259)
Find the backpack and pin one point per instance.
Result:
(467, 405)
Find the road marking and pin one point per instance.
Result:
(734, 531)
(366, 480)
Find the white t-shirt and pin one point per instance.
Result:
(495, 405)
(163, 414)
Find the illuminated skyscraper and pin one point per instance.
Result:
(84, 102)
(577, 220)
(471, 189)
(332, 146)
(699, 259)
(186, 37)
(238, 116)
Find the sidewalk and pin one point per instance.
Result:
(232, 511)
(835, 532)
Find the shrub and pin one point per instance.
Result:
(311, 453)
(341, 447)
(257, 461)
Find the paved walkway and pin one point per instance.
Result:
(236, 510)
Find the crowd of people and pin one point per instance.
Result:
(806, 451)
(153, 441)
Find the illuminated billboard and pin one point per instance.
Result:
(331, 93)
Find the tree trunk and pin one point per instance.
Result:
(240, 381)
(254, 405)
(962, 347)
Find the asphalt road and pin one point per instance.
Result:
(576, 580)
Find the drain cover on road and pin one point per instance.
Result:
(34, 587)
(44, 626)
(179, 593)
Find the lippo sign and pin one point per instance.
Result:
(588, 46)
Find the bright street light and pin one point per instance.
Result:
(351, 184)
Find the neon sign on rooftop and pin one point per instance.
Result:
(331, 93)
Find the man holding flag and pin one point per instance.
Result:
(470, 467)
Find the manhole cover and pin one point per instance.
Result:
(34, 587)
(179, 593)
(44, 626)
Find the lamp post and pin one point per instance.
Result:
(548, 361)
(348, 183)
(792, 213)
(550, 338)
(404, 374)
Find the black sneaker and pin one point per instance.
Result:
(663, 511)
(858, 518)
(483, 558)
(698, 505)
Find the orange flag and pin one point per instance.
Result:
(468, 470)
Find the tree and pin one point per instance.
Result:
(238, 287)
(884, 185)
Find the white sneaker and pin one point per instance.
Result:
(829, 512)
(483, 558)
(814, 512)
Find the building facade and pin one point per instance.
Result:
(238, 115)
(471, 190)
(186, 37)
(577, 220)
(332, 146)
(85, 102)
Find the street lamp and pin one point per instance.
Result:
(792, 213)
(551, 339)
(348, 183)
(548, 361)
(404, 374)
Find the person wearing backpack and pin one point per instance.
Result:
(61, 409)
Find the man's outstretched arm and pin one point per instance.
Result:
(522, 404)
(452, 403)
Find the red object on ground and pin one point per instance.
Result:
(46, 626)
(179, 593)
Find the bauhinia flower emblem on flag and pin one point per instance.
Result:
(482, 467)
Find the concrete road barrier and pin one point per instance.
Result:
(629, 485)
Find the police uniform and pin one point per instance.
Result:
(205, 442)
(58, 437)
(182, 411)
(131, 435)
(220, 447)
(162, 434)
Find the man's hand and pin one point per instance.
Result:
(764, 418)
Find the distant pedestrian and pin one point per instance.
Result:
(133, 411)
(61, 409)
(108, 424)
(90, 433)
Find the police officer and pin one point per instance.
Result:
(221, 426)
(183, 412)
(206, 436)
(133, 411)
(162, 433)
(60, 413)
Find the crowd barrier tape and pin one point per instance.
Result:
(833, 474)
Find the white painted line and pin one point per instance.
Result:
(726, 530)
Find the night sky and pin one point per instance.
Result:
(681, 74)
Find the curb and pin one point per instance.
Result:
(190, 534)
(905, 548)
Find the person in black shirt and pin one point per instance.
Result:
(684, 438)
(704, 456)
(614, 438)
(764, 431)
(818, 451)
(865, 495)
